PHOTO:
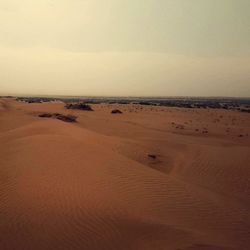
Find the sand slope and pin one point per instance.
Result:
(91, 185)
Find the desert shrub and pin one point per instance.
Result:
(46, 115)
(65, 118)
(80, 106)
(116, 111)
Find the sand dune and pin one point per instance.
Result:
(91, 185)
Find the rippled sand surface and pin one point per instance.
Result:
(92, 185)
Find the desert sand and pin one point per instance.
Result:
(151, 178)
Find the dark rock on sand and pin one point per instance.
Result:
(152, 156)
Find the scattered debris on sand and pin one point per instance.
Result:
(65, 118)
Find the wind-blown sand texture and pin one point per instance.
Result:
(93, 185)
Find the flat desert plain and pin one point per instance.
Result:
(151, 178)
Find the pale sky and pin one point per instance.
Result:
(125, 47)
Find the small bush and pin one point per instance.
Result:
(116, 111)
(65, 118)
(46, 115)
(80, 106)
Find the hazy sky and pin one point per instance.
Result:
(125, 47)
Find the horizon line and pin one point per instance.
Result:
(122, 96)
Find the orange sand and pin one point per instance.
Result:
(91, 185)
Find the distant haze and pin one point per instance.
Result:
(125, 47)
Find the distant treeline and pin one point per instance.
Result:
(241, 104)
